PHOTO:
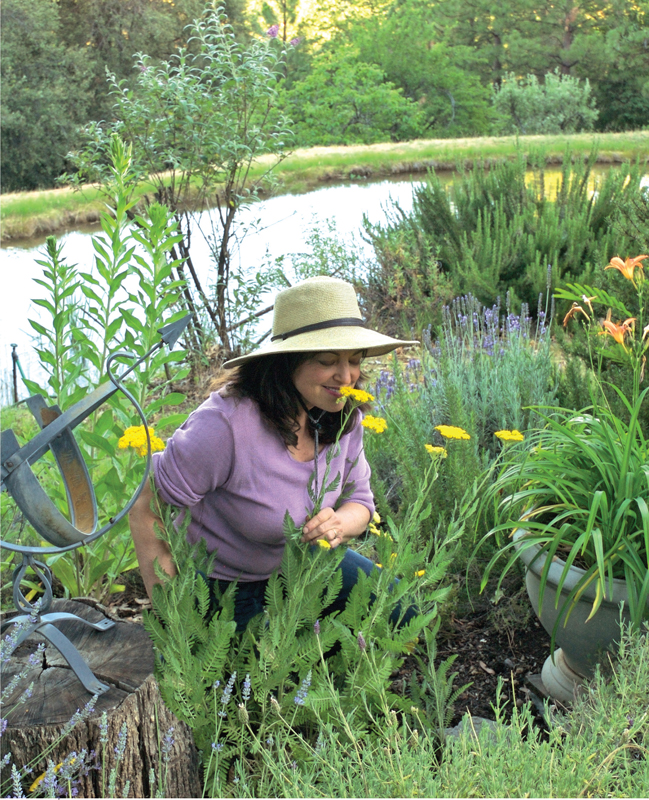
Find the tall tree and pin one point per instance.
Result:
(412, 48)
(45, 94)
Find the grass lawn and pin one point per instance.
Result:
(25, 214)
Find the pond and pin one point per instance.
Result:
(276, 226)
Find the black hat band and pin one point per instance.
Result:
(317, 326)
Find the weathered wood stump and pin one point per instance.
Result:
(121, 656)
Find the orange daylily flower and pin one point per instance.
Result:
(617, 331)
(575, 309)
(627, 267)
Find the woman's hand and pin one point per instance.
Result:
(337, 527)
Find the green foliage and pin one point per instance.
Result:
(561, 104)
(73, 351)
(406, 44)
(300, 665)
(45, 94)
(483, 374)
(598, 747)
(111, 32)
(596, 512)
(195, 124)
(344, 100)
(59, 353)
(492, 233)
(499, 364)
(614, 350)
(403, 290)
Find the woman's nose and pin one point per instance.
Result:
(344, 373)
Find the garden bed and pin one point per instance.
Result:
(489, 643)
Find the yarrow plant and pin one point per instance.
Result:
(376, 424)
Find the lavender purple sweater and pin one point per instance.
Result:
(235, 474)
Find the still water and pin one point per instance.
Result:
(274, 227)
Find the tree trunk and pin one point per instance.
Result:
(121, 656)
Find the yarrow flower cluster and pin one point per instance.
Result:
(358, 395)
(441, 452)
(324, 544)
(376, 424)
(510, 436)
(452, 432)
(135, 437)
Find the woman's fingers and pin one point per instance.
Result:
(325, 525)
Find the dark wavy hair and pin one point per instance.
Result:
(268, 380)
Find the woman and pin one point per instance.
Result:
(246, 456)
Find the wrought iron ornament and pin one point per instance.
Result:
(18, 479)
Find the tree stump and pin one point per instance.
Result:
(121, 656)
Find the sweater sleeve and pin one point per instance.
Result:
(197, 459)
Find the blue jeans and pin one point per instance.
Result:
(249, 598)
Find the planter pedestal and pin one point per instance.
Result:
(560, 682)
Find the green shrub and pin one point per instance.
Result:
(561, 104)
(482, 375)
(492, 232)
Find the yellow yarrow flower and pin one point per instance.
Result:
(420, 573)
(451, 432)
(376, 424)
(135, 437)
(510, 436)
(324, 544)
(358, 395)
(442, 452)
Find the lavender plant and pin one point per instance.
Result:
(597, 748)
(498, 362)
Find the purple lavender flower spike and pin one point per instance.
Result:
(300, 697)
(361, 642)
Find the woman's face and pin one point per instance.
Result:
(320, 378)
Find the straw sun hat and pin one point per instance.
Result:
(320, 314)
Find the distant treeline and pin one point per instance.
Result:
(355, 71)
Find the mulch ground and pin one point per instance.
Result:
(490, 642)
